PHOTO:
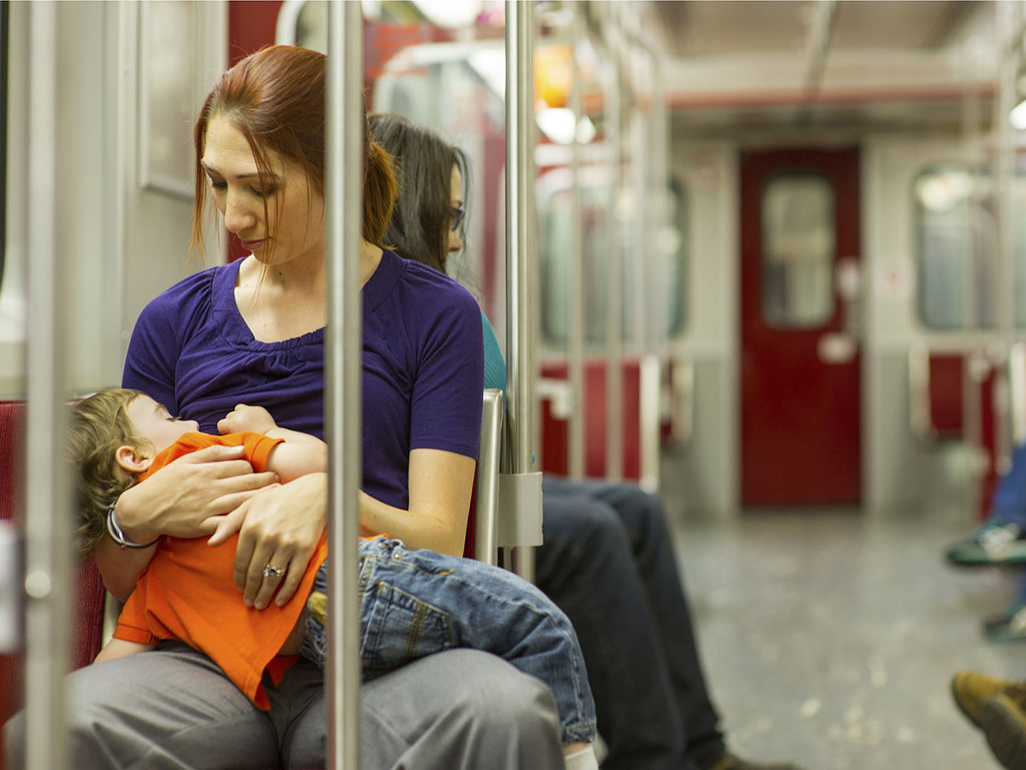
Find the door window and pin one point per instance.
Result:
(798, 248)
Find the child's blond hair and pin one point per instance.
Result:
(99, 425)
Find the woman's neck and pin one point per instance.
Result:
(306, 276)
(297, 276)
(287, 300)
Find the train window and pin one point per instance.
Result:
(798, 245)
(555, 263)
(665, 319)
(955, 246)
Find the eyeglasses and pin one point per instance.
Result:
(458, 212)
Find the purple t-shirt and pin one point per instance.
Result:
(423, 365)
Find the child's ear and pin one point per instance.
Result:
(133, 459)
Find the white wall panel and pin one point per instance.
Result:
(124, 244)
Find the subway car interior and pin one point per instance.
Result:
(764, 261)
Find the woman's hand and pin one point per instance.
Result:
(278, 529)
(178, 500)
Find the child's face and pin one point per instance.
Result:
(155, 424)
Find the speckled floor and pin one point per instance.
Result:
(829, 638)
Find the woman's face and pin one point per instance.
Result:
(294, 226)
(454, 243)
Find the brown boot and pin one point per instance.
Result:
(1003, 721)
(970, 689)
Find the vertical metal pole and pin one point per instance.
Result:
(344, 214)
(47, 519)
(639, 222)
(661, 207)
(614, 267)
(1005, 267)
(1003, 275)
(640, 214)
(519, 203)
(575, 351)
(520, 251)
(651, 283)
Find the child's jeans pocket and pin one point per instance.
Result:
(399, 629)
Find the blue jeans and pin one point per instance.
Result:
(417, 603)
(608, 563)
(1009, 504)
(1010, 495)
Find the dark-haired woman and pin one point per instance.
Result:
(252, 331)
(607, 558)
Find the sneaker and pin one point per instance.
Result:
(996, 542)
(731, 761)
(971, 690)
(1003, 722)
(1010, 627)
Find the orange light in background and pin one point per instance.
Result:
(553, 74)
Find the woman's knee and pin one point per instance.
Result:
(497, 692)
(505, 711)
(462, 709)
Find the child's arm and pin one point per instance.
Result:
(300, 454)
(119, 648)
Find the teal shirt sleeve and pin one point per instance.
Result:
(494, 363)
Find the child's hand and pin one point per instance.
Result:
(245, 418)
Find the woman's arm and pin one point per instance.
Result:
(440, 489)
(178, 500)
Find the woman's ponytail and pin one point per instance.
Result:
(380, 190)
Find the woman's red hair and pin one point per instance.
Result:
(276, 99)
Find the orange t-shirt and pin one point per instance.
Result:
(188, 591)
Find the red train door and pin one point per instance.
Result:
(800, 402)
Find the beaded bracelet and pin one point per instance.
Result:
(117, 535)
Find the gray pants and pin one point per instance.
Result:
(174, 709)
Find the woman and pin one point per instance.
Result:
(607, 558)
(253, 331)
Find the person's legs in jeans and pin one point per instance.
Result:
(1010, 495)
(586, 566)
(643, 517)
(458, 710)
(1001, 539)
(171, 708)
(418, 603)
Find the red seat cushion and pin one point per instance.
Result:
(89, 593)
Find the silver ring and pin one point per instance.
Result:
(271, 571)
